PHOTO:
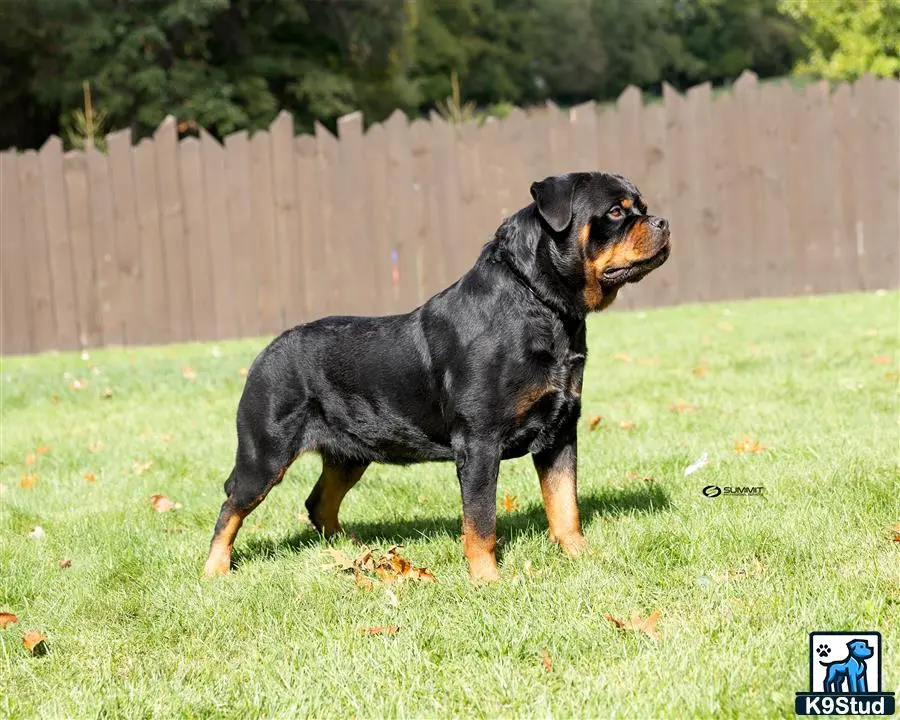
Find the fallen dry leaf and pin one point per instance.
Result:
(37, 533)
(895, 533)
(628, 425)
(746, 445)
(188, 373)
(28, 481)
(30, 459)
(78, 384)
(107, 393)
(366, 583)
(165, 437)
(423, 500)
(635, 623)
(648, 361)
(7, 618)
(594, 422)
(341, 561)
(882, 359)
(681, 407)
(701, 371)
(90, 477)
(54, 399)
(42, 449)
(162, 504)
(892, 375)
(35, 643)
(623, 357)
(65, 563)
(95, 447)
(141, 467)
(545, 661)
(390, 567)
(242, 372)
(380, 630)
(509, 503)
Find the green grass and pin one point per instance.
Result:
(134, 632)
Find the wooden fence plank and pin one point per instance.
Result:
(312, 271)
(662, 282)
(327, 162)
(705, 223)
(203, 309)
(773, 236)
(287, 217)
(819, 187)
(40, 282)
(355, 244)
(399, 173)
(471, 183)
(154, 289)
(102, 231)
(680, 217)
(628, 135)
(78, 207)
(240, 220)
(58, 244)
(429, 261)
(884, 211)
(180, 325)
(844, 191)
(800, 146)
(128, 265)
(17, 327)
(445, 184)
(270, 315)
(218, 237)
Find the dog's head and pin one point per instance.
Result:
(600, 221)
(860, 649)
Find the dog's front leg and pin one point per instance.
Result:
(557, 470)
(477, 465)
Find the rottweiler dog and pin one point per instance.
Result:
(490, 368)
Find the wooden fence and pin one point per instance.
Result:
(770, 191)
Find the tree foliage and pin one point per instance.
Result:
(232, 64)
(848, 38)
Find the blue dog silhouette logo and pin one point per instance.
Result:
(844, 676)
(848, 675)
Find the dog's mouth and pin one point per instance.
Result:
(616, 275)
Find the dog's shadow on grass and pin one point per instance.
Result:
(609, 502)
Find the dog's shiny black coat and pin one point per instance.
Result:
(488, 369)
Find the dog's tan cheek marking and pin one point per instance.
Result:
(219, 560)
(638, 244)
(559, 493)
(626, 203)
(479, 552)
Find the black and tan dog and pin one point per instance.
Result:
(490, 368)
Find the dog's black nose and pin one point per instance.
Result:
(659, 223)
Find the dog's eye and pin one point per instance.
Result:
(615, 213)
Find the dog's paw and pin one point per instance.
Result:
(822, 650)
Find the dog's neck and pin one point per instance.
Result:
(532, 257)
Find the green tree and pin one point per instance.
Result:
(848, 38)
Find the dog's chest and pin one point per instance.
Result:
(548, 407)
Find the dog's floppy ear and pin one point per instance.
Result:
(553, 197)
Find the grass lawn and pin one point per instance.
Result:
(738, 581)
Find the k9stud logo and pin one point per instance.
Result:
(844, 676)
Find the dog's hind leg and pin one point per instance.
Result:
(324, 502)
(264, 454)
